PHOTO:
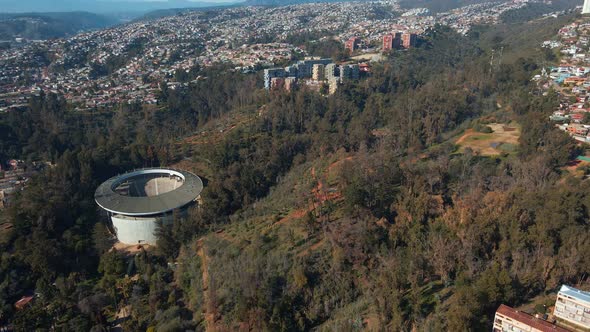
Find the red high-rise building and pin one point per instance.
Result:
(351, 44)
(409, 40)
(387, 43)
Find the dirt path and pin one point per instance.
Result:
(314, 247)
(467, 133)
(297, 214)
(131, 248)
(209, 316)
(338, 163)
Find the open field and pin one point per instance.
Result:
(503, 139)
(368, 57)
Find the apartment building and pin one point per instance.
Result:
(508, 319)
(573, 306)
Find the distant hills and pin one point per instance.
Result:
(50, 25)
(432, 5)
(437, 6)
(284, 2)
(100, 6)
(155, 14)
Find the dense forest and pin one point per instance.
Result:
(341, 213)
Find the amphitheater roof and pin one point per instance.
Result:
(107, 198)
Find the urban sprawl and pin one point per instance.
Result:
(127, 63)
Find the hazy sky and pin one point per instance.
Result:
(102, 6)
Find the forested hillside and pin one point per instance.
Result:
(361, 210)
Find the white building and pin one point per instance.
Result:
(136, 202)
(573, 306)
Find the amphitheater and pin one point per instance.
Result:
(137, 201)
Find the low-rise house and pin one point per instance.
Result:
(573, 81)
(24, 302)
(577, 129)
(577, 117)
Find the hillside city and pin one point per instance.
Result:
(325, 205)
(127, 63)
(569, 78)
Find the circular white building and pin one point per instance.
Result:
(135, 201)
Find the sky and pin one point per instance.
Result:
(102, 6)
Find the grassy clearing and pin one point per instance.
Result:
(367, 57)
(503, 139)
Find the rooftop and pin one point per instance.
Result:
(148, 191)
(575, 293)
(529, 320)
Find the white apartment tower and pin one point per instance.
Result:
(586, 8)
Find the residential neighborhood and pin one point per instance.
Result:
(569, 79)
(126, 63)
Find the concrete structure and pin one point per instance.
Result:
(351, 44)
(355, 72)
(332, 85)
(387, 43)
(290, 83)
(349, 72)
(508, 319)
(277, 83)
(304, 67)
(291, 71)
(409, 40)
(138, 200)
(397, 40)
(330, 71)
(318, 72)
(345, 71)
(392, 41)
(586, 8)
(573, 306)
(271, 73)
